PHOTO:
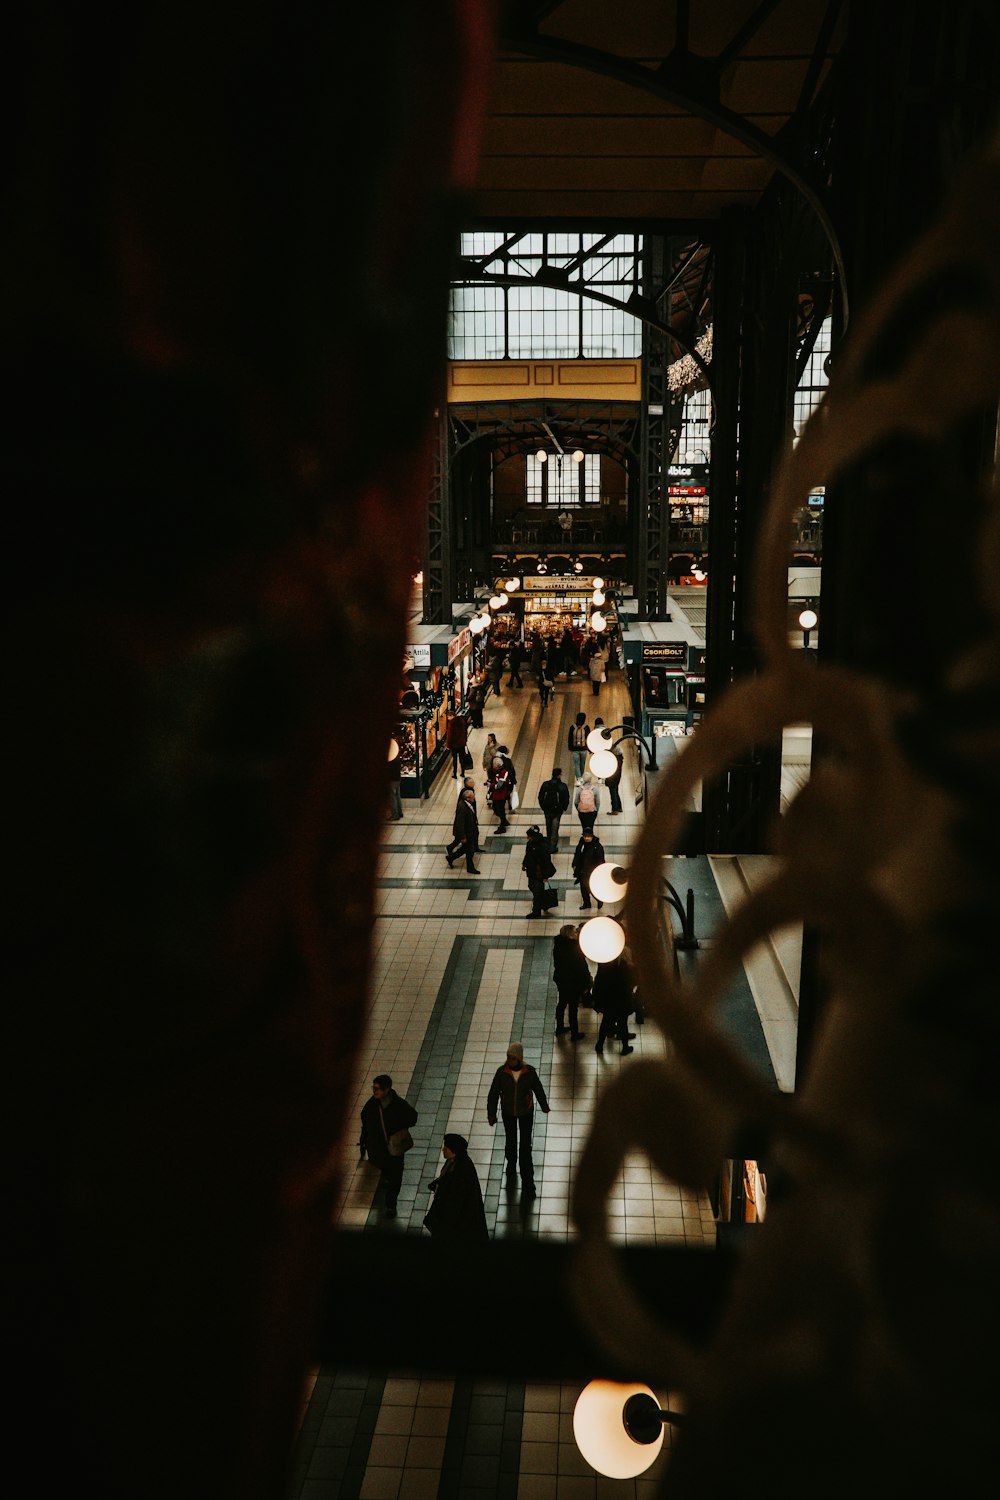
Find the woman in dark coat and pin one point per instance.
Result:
(457, 1211)
(571, 973)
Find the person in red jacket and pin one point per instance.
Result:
(515, 1087)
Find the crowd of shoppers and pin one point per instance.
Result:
(456, 1211)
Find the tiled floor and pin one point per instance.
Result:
(459, 973)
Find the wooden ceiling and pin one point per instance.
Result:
(666, 110)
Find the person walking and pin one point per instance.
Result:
(613, 994)
(474, 700)
(613, 783)
(494, 672)
(456, 737)
(587, 801)
(544, 683)
(577, 742)
(456, 1211)
(596, 672)
(538, 867)
(466, 831)
(553, 799)
(515, 656)
(571, 973)
(489, 750)
(515, 1088)
(385, 1122)
(504, 754)
(588, 854)
(500, 788)
(395, 787)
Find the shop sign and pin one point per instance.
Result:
(565, 582)
(460, 645)
(665, 653)
(696, 658)
(693, 472)
(686, 489)
(420, 656)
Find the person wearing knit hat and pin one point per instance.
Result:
(456, 1211)
(515, 1088)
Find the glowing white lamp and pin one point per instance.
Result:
(597, 621)
(597, 596)
(598, 739)
(598, 583)
(542, 456)
(609, 882)
(601, 940)
(513, 584)
(578, 566)
(602, 764)
(617, 1426)
(808, 619)
(393, 748)
(496, 602)
(502, 596)
(578, 455)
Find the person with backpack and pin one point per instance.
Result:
(538, 867)
(553, 799)
(577, 743)
(587, 802)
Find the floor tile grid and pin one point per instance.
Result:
(417, 958)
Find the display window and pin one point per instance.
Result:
(406, 736)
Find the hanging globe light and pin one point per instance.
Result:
(599, 739)
(602, 939)
(597, 596)
(496, 602)
(603, 764)
(578, 566)
(598, 583)
(618, 1427)
(578, 456)
(597, 621)
(808, 619)
(542, 456)
(502, 596)
(513, 584)
(609, 882)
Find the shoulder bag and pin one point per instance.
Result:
(399, 1142)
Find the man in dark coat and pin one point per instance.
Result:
(588, 854)
(384, 1114)
(515, 656)
(456, 737)
(553, 799)
(457, 1211)
(613, 992)
(515, 1088)
(571, 973)
(538, 867)
(466, 831)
